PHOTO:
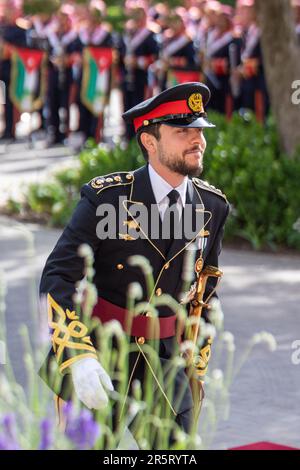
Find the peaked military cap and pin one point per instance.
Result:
(178, 106)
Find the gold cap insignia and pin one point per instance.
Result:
(195, 103)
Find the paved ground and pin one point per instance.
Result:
(258, 291)
(20, 164)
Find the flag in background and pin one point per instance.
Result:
(96, 78)
(28, 79)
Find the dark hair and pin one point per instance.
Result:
(153, 129)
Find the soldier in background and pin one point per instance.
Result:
(94, 33)
(138, 49)
(41, 24)
(254, 93)
(177, 54)
(62, 41)
(222, 55)
(13, 33)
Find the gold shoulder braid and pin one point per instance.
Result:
(121, 178)
(69, 335)
(208, 187)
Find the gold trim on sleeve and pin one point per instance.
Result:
(63, 333)
(74, 359)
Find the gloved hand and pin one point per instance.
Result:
(89, 379)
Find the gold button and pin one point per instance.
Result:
(96, 184)
(141, 340)
(117, 178)
(167, 266)
(148, 314)
(146, 122)
(120, 266)
(158, 292)
(109, 180)
(129, 176)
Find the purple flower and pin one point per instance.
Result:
(46, 434)
(8, 439)
(8, 444)
(82, 429)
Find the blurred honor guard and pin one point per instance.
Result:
(138, 50)
(61, 37)
(177, 58)
(254, 93)
(95, 82)
(222, 55)
(12, 34)
(169, 129)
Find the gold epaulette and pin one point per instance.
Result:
(208, 187)
(119, 178)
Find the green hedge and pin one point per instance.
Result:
(242, 158)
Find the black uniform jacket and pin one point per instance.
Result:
(113, 273)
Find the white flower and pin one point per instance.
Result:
(134, 408)
(113, 327)
(135, 290)
(216, 315)
(186, 346)
(5, 388)
(180, 436)
(231, 347)
(78, 298)
(265, 337)
(142, 262)
(85, 251)
(198, 441)
(90, 272)
(228, 338)
(209, 331)
(178, 362)
(217, 375)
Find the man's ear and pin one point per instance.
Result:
(148, 141)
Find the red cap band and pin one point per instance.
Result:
(172, 107)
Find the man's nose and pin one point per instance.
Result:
(197, 136)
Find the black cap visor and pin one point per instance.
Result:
(189, 122)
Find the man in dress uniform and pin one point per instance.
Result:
(138, 50)
(169, 129)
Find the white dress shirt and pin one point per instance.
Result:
(161, 189)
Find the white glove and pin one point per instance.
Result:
(89, 377)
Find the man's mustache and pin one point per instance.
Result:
(194, 149)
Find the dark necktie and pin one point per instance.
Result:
(174, 216)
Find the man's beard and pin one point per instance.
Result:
(179, 165)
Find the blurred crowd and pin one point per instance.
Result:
(159, 46)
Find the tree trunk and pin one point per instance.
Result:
(281, 54)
